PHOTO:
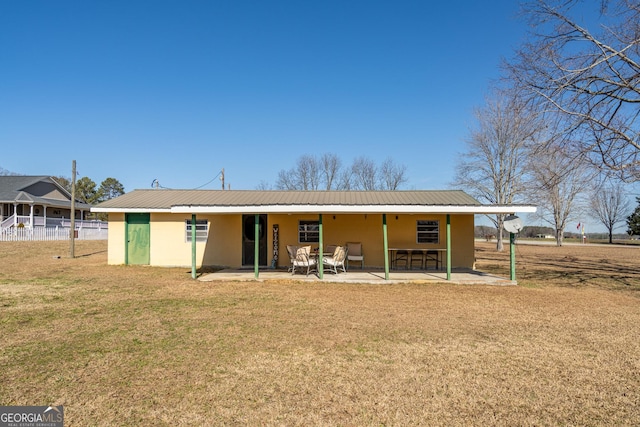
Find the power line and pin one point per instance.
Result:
(213, 179)
(156, 183)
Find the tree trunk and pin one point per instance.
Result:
(559, 237)
(500, 242)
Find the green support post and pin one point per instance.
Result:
(512, 255)
(320, 251)
(193, 246)
(256, 246)
(126, 240)
(385, 245)
(448, 247)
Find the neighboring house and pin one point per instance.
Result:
(154, 226)
(35, 202)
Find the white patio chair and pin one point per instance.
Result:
(337, 260)
(303, 260)
(291, 251)
(354, 253)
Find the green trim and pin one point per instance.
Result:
(448, 247)
(126, 240)
(512, 256)
(320, 264)
(193, 246)
(385, 245)
(256, 246)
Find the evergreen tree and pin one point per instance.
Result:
(86, 190)
(633, 221)
(109, 189)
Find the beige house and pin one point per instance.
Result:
(252, 228)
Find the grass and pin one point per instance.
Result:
(148, 346)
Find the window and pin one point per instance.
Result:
(308, 232)
(202, 230)
(428, 231)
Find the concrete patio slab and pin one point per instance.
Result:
(467, 277)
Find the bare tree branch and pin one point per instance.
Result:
(492, 167)
(589, 75)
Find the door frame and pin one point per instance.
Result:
(248, 245)
(145, 218)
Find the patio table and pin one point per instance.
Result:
(425, 252)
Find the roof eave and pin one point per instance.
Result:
(355, 209)
(130, 210)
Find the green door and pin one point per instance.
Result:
(138, 238)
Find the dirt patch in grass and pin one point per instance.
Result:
(149, 346)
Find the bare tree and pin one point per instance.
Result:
(330, 168)
(610, 206)
(493, 166)
(326, 172)
(304, 176)
(591, 76)
(264, 186)
(365, 174)
(5, 172)
(287, 180)
(392, 176)
(557, 182)
(345, 179)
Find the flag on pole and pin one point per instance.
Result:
(578, 226)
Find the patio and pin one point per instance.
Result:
(368, 276)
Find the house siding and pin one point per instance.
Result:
(224, 245)
(116, 239)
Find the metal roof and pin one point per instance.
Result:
(255, 201)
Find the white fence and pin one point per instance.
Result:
(50, 233)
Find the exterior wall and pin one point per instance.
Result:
(224, 246)
(169, 246)
(115, 239)
(402, 234)
(367, 229)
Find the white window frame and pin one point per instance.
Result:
(306, 231)
(428, 231)
(202, 230)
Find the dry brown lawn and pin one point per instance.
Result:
(137, 346)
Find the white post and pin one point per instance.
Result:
(15, 215)
(45, 215)
(31, 216)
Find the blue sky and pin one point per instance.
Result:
(176, 91)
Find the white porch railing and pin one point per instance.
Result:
(51, 229)
(50, 233)
(39, 221)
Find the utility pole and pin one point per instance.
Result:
(72, 230)
(222, 177)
